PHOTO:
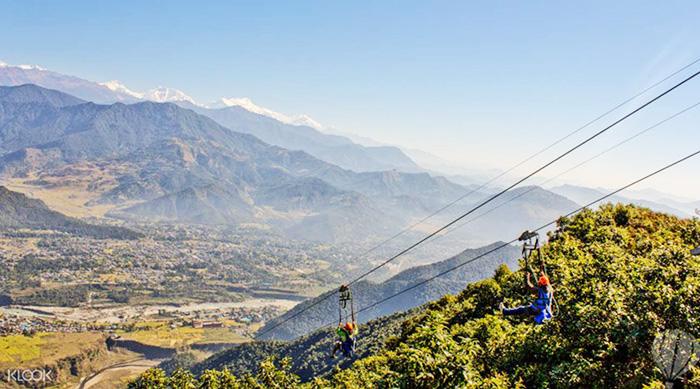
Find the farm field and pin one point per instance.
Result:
(67, 199)
(162, 335)
(44, 348)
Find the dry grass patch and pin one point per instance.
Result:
(44, 348)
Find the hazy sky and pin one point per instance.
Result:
(483, 84)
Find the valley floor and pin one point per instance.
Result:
(118, 314)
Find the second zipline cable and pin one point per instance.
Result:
(516, 239)
(411, 247)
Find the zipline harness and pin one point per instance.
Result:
(531, 243)
(346, 314)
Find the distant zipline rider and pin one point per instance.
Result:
(347, 333)
(541, 308)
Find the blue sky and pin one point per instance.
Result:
(483, 84)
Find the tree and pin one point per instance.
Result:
(268, 376)
(621, 275)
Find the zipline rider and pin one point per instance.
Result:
(541, 308)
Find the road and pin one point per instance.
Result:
(133, 364)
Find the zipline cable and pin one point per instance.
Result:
(525, 178)
(568, 170)
(469, 193)
(516, 239)
(319, 301)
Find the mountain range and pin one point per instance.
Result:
(162, 161)
(298, 132)
(161, 153)
(188, 162)
(240, 114)
(583, 195)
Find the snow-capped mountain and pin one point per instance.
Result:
(164, 94)
(305, 120)
(23, 67)
(117, 86)
(14, 75)
(248, 105)
(160, 94)
(298, 132)
(115, 91)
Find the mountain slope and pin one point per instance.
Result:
(309, 354)
(28, 93)
(584, 195)
(87, 131)
(163, 151)
(304, 194)
(75, 86)
(365, 292)
(509, 215)
(243, 116)
(337, 150)
(622, 276)
(207, 205)
(19, 211)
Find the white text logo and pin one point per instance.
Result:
(37, 375)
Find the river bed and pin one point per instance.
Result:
(123, 313)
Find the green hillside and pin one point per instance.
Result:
(366, 293)
(309, 354)
(621, 274)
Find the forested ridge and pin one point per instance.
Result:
(315, 311)
(621, 274)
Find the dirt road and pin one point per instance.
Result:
(111, 376)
